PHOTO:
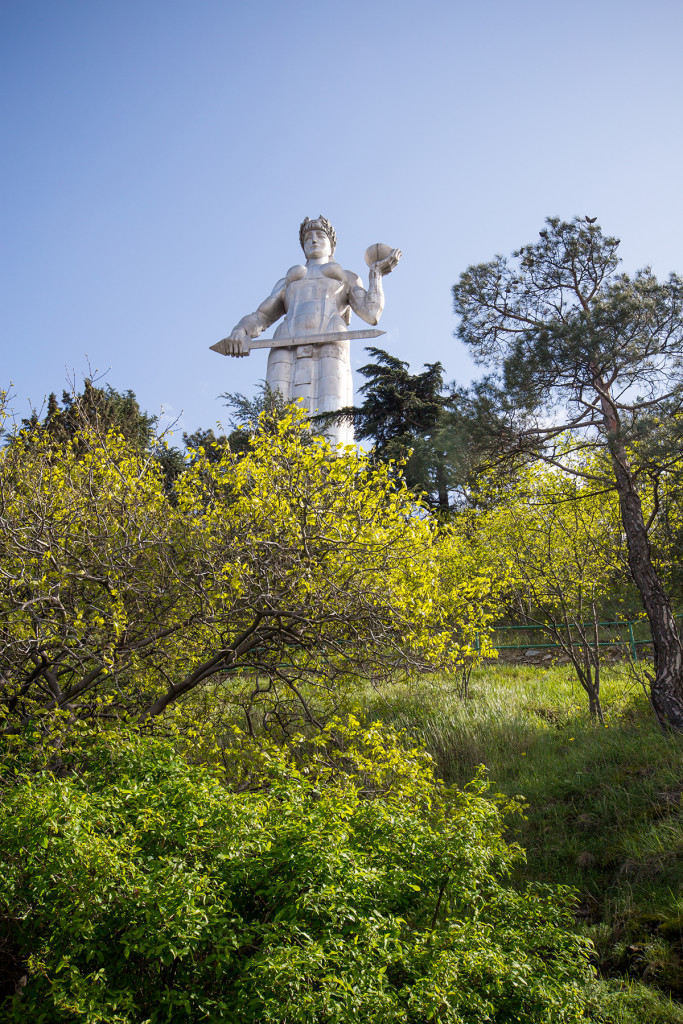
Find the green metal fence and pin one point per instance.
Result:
(624, 626)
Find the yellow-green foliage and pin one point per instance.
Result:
(557, 536)
(296, 563)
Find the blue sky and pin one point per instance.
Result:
(158, 158)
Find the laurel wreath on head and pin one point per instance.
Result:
(319, 224)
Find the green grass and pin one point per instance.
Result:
(605, 806)
(630, 1002)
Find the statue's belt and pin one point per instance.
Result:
(304, 339)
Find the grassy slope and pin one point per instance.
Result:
(605, 810)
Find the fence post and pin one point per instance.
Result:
(634, 649)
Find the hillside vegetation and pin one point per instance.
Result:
(258, 765)
(604, 808)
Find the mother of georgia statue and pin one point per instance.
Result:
(309, 355)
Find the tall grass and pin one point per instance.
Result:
(512, 712)
(604, 804)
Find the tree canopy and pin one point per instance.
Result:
(99, 408)
(405, 416)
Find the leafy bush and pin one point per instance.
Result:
(333, 880)
(297, 564)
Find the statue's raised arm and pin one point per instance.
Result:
(310, 355)
(368, 305)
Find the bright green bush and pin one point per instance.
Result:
(333, 881)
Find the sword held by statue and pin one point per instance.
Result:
(303, 339)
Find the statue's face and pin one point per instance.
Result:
(317, 244)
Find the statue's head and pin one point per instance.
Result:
(319, 224)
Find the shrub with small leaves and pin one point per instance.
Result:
(332, 880)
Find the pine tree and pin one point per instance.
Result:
(575, 346)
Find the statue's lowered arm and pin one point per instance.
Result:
(253, 324)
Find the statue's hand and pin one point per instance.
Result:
(386, 265)
(236, 343)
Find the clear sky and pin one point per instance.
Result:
(159, 155)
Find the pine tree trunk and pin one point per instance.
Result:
(666, 688)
